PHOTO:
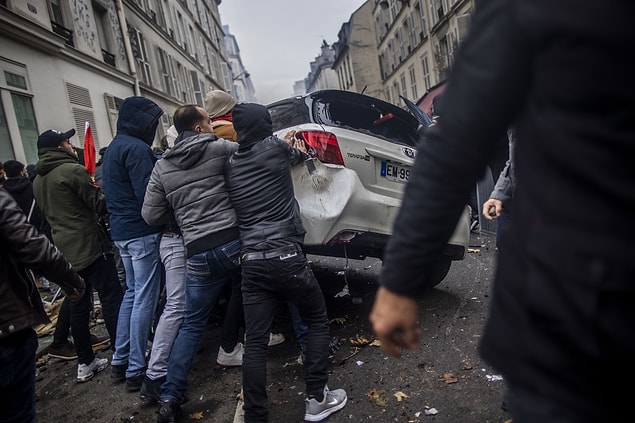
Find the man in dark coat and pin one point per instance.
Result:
(563, 309)
(274, 267)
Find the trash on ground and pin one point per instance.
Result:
(400, 396)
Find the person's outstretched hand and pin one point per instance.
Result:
(394, 320)
(492, 209)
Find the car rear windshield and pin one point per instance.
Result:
(349, 111)
(370, 116)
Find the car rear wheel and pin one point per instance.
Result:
(440, 271)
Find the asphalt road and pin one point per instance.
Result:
(445, 381)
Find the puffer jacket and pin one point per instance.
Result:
(189, 180)
(22, 247)
(127, 165)
(258, 177)
(72, 205)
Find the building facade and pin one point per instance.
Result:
(356, 60)
(67, 62)
(242, 86)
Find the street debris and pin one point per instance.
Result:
(375, 343)
(377, 397)
(449, 378)
(400, 396)
(195, 416)
(430, 411)
(359, 341)
(359, 363)
(473, 250)
(338, 320)
(493, 378)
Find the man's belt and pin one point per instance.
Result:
(281, 253)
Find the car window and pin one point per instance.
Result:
(378, 119)
(287, 114)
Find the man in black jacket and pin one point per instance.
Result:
(563, 309)
(23, 248)
(274, 268)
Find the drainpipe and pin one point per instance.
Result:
(128, 46)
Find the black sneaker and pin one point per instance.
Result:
(118, 372)
(151, 389)
(169, 411)
(63, 352)
(133, 384)
(474, 225)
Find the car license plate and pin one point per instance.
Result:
(394, 172)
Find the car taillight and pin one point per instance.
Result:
(322, 145)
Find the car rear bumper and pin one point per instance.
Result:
(336, 208)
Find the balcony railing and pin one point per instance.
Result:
(109, 58)
(66, 33)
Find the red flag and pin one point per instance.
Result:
(89, 151)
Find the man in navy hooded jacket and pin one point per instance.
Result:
(127, 166)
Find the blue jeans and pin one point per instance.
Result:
(143, 281)
(207, 274)
(17, 377)
(172, 252)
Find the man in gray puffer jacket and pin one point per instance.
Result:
(189, 180)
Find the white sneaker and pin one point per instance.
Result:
(275, 339)
(333, 401)
(85, 372)
(232, 359)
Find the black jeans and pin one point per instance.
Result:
(101, 275)
(234, 317)
(17, 377)
(264, 283)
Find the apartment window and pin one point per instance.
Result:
(412, 31)
(140, 52)
(56, 12)
(426, 72)
(6, 147)
(422, 18)
(402, 44)
(388, 95)
(404, 88)
(413, 82)
(197, 86)
(18, 127)
(168, 80)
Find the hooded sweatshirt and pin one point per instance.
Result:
(127, 166)
(189, 180)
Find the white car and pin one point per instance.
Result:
(349, 194)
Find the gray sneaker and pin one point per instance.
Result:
(231, 359)
(333, 401)
(85, 372)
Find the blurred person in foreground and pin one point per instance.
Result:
(563, 308)
(274, 267)
(22, 249)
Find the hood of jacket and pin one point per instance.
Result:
(139, 117)
(50, 158)
(252, 122)
(188, 149)
(16, 186)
